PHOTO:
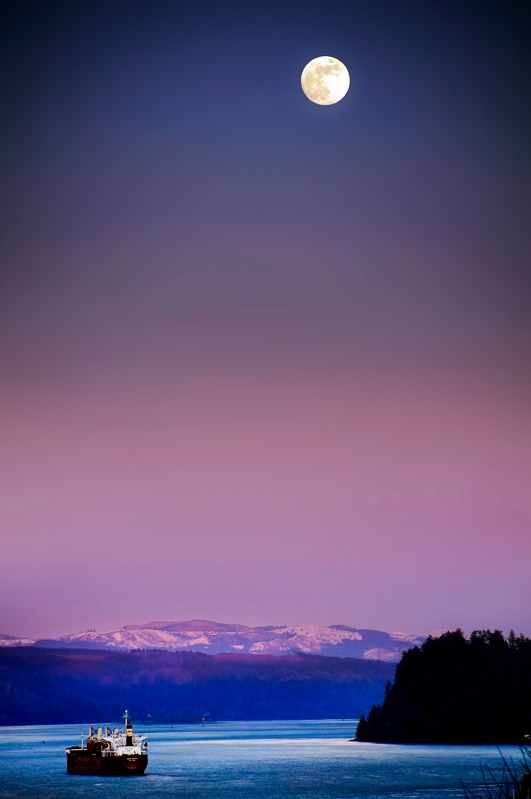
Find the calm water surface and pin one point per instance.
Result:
(244, 760)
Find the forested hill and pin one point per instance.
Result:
(41, 686)
(455, 690)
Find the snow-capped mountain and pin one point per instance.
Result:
(11, 640)
(199, 635)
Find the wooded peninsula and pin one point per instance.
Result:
(457, 690)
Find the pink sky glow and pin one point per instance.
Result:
(264, 361)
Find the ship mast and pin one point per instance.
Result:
(128, 730)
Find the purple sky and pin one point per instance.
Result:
(263, 361)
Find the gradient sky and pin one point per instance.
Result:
(264, 361)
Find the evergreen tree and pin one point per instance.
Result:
(362, 729)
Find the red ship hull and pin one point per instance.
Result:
(82, 762)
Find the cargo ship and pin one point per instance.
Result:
(117, 753)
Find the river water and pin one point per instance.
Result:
(244, 760)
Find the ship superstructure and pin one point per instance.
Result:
(115, 753)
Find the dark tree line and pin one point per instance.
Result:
(455, 690)
(40, 686)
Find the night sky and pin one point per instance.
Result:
(264, 361)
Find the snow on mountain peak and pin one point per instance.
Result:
(201, 635)
(11, 640)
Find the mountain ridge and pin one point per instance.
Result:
(210, 637)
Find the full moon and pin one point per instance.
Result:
(325, 80)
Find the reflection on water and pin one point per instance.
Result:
(244, 760)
